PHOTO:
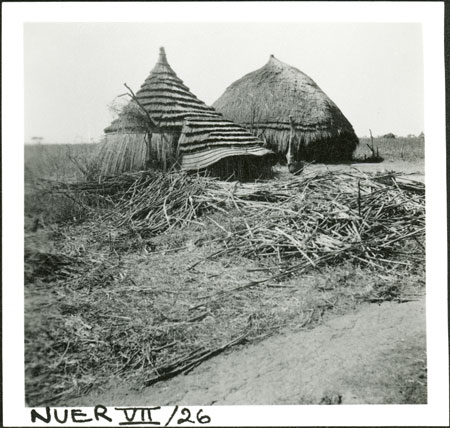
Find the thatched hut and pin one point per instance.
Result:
(166, 126)
(279, 104)
(389, 135)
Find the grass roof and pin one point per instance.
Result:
(205, 141)
(166, 98)
(265, 99)
(206, 137)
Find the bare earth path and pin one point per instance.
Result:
(375, 355)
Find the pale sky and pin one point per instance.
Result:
(73, 71)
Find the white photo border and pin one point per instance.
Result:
(429, 14)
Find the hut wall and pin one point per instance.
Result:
(320, 145)
(241, 168)
(125, 151)
(122, 152)
(163, 151)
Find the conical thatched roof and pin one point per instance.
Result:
(166, 98)
(264, 100)
(189, 132)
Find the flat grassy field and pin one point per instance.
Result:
(68, 162)
(61, 162)
(110, 295)
(409, 149)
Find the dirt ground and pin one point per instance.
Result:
(376, 355)
(373, 355)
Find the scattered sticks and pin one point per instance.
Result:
(290, 226)
(319, 218)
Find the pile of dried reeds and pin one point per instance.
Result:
(158, 202)
(315, 218)
(123, 194)
(117, 317)
(325, 218)
(141, 205)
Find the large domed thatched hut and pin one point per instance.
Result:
(278, 102)
(165, 125)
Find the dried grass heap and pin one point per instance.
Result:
(264, 100)
(316, 218)
(162, 306)
(206, 138)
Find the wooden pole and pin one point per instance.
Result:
(151, 125)
(359, 198)
(151, 122)
(289, 155)
(371, 144)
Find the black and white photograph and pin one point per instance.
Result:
(220, 211)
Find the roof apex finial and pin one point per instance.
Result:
(162, 55)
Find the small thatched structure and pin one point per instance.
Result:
(223, 149)
(186, 133)
(389, 135)
(279, 103)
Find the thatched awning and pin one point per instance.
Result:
(201, 160)
(206, 140)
